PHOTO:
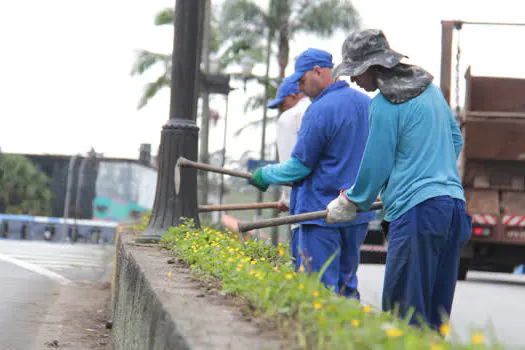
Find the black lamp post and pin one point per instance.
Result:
(179, 136)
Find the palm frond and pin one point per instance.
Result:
(165, 17)
(146, 59)
(153, 88)
(324, 17)
(242, 18)
(256, 123)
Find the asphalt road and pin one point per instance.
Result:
(31, 275)
(491, 302)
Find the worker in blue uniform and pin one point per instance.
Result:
(325, 159)
(410, 159)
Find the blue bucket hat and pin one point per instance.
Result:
(286, 88)
(308, 59)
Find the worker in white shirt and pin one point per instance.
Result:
(291, 104)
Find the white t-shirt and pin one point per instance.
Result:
(288, 126)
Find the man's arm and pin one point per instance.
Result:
(286, 172)
(456, 134)
(307, 150)
(290, 171)
(378, 157)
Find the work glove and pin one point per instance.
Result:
(258, 181)
(284, 202)
(340, 210)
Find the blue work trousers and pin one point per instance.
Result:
(423, 258)
(319, 243)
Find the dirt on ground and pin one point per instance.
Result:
(78, 319)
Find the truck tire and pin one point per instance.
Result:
(462, 271)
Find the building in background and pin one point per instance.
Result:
(111, 189)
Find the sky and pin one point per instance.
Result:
(65, 67)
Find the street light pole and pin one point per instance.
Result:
(179, 136)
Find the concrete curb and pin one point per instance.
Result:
(156, 309)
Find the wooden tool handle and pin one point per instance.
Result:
(293, 219)
(183, 162)
(245, 206)
(186, 163)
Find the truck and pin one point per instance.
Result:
(491, 164)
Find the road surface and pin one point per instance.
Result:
(32, 274)
(491, 302)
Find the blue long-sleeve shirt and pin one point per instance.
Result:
(410, 155)
(327, 153)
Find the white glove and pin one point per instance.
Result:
(340, 210)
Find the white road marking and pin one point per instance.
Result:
(37, 269)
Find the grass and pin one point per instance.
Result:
(308, 314)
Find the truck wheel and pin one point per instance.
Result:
(462, 272)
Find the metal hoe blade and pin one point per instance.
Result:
(176, 178)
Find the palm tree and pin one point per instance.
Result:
(282, 20)
(280, 23)
(147, 59)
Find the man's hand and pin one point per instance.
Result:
(282, 207)
(341, 210)
(258, 181)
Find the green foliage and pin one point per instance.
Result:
(23, 188)
(165, 17)
(323, 17)
(307, 314)
(139, 227)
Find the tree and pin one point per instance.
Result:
(280, 23)
(284, 19)
(24, 189)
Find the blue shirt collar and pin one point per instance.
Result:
(334, 86)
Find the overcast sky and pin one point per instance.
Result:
(65, 67)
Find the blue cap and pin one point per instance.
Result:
(286, 88)
(308, 59)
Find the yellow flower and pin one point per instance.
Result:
(300, 286)
(280, 251)
(444, 329)
(317, 304)
(230, 259)
(169, 274)
(259, 277)
(262, 259)
(251, 272)
(476, 338)
(288, 276)
(393, 332)
(315, 293)
(238, 269)
(366, 309)
(301, 268)
(355, 323)
(254, 262)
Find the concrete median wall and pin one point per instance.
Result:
(153, 309)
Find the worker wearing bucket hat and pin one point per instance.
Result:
(410, 159)
(292, 104)
(325, 159)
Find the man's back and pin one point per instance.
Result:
(288, 126)
(331, 142)
(424, 164)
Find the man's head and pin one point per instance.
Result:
(364, 53)
(312, 71)
(287, 95)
